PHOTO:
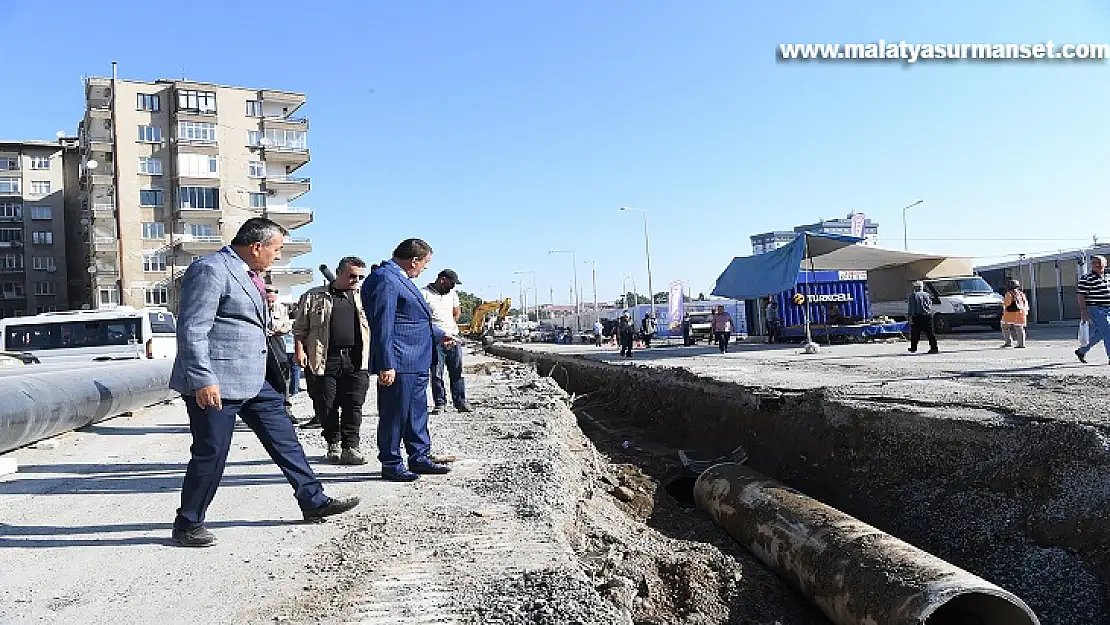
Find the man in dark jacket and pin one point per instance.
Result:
(921, 318)
(626, 333)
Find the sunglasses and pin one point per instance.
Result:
(355, 276)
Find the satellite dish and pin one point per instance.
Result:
(92, 164)
(265, 142)
(92, 268)
(84, 221)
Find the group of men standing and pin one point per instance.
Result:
(362, 322)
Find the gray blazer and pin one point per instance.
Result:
(221, 329)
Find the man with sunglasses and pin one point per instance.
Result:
(332, 343)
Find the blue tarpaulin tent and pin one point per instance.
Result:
(752, 277)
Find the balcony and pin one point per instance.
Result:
(296, 247)
(110, 272)
(98, 141)
(11, 244)
(105, 244)
(293, 186)
(286, 99)
(285, 277)
(11, 295)
(285, 122)
(7, 271)
(102, 179)
(203, 243)
(291, 155)
(288, 217)
(189, 211)
(7, 219)
(103, 209)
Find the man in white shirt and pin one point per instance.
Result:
(446, 308)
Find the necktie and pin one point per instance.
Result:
(258, 283)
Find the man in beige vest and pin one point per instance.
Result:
(332, 342)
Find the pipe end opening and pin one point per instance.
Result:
(981, 609)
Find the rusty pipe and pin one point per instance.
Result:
(856, 574)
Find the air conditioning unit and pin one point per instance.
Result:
(107, 124)
(51, 269)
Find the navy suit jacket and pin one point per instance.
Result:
(401, 332)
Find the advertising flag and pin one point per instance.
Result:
(676, 307)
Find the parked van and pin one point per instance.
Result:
(957, 301)
(122, 333)
(163, 333)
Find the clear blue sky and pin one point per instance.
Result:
(500, 130)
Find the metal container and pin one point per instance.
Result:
(819, 289)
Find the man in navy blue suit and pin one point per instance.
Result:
(401, 341)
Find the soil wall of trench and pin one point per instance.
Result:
(1021, 502)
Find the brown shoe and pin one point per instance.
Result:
(351, 455)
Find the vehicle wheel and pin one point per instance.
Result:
(941, 325)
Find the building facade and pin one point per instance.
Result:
(169, 170)
(33, 198)
(1049, 281)
(768, 241)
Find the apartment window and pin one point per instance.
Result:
(196, 101)
(196, 131)
(256, 169)
(290, 139)
(108, 296)
(11, 261)
(258, 200)
(254, 137)
(150, 134)
(40, 187)
(46, 287)
(11, 235)
(42, 212)
(199, 197)
(151, 197)
(11, 289)
(154, 262)
(40, 162)
(148, 102)
(11, 210)
(9, 185)
(254, 108)
(198, 166)
(42, 238)
(150, 166)
(201, 230)
(157, 296)
(154, 230)
(9, 164)
(43, 263)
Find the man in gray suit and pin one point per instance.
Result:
(220, 372)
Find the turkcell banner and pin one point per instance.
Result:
(675, 308)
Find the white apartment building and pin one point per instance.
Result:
(171, 169)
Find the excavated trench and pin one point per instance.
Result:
(1016, 501)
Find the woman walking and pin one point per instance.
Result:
(722, 328)
(1015, 310)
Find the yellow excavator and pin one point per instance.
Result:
(477, 326)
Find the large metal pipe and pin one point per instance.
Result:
(38, 405)
(856, 574)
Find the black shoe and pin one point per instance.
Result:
(312, 424)
(912, 350)
(933, 351)
(1081, 356)
(439, 409)
(400, 474)
(464, 407)
(331, 508)
(429, 468)
(199, 536)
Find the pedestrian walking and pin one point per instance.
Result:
(332, 341)
(278, 369)
(599, 332)
(920, 312)
(722, 327)
(773, 321)
(647, 328)
(443, 300)
(220, 371)
(1015, 309)
(402, 338)
(626, 334)
(1094, 306)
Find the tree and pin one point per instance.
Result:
(468, 303)
(661, 297)
(702, 297)
(630, 297)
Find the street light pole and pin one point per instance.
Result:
(905, 230)
(647, 253)
(574, 294)
(593, 275)
(535, 291)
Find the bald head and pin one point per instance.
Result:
(1098, 264)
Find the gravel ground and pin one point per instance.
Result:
(526, 529)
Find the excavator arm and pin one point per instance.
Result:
(477, 326)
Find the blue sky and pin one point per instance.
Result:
(500, 130)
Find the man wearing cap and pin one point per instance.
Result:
(444, 303)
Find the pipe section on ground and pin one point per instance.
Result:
(38, 405)
(856, 574)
